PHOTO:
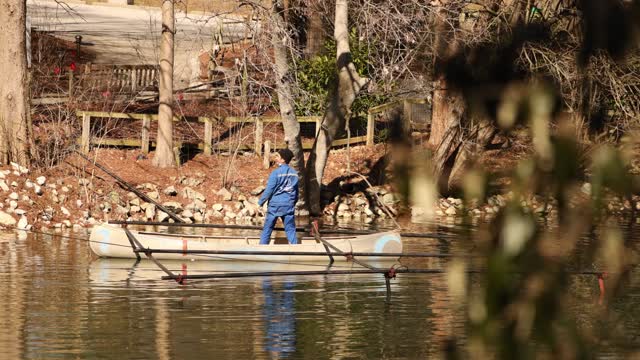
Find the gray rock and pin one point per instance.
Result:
(217, 207)
(451, 211)
(20, 211)
(4, 186)
(23, 223)
(257, 191)
(162, 216)
(191, 194)
(388, 199)
(65, 211)
(343, 207)
(173, 206)
(150, 212)
(226, 195)
(28, 184)
(41, 180)
(38, 190)
(65, 189)
(14, 196)
(114, 197)
(170, 191)
(134, 202)
(186, 214)
(6, 219)
(153, 195)
(360, 201)
(13, 205)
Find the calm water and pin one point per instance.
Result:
(56, 302)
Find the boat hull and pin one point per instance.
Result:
(111, 241)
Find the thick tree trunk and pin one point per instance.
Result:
(445, 45)
(14, 99)
(482, 135)
(447, 149)
(284, 79)
(314, 32)
(164, 156)
(349, 84)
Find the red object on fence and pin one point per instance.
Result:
(56, 71)
(72, 66)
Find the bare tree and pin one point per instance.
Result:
(14, 99)
(348, 85)
(164, 156)
(284, 83)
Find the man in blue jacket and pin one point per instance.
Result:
(282, 195)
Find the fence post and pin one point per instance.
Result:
(146, 125)
(257, 143)
(86, 132)
(370, 129)
(70, 83)
(267, 151)
(208, 134)
(407, 115)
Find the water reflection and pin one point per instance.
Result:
(279, 318)
(58, 302)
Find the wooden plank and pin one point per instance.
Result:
(354, 140)
(208, 134)
(112, 115)
(382, 107)
(114, 142)
(146, 126)
(86, 133)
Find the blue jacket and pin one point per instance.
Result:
(282, 187)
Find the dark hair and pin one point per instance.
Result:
(286, 155)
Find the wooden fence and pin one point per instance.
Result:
(206, 144)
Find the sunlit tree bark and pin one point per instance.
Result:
(284, 83)
(348, 85)
(14, 99)
(164, 156)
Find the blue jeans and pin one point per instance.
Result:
(287, 215)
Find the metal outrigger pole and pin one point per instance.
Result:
(137, 248)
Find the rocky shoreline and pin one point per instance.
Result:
(33, 200)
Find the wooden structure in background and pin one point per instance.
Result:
(145, 142)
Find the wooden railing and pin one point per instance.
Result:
(206, 144)
(144, 142)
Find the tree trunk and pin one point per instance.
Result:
(164, 156)
(482, 134)
(349, 84)
(284, 79)
(446, 152)
(314, 31)
(14, 99)
(445, 44)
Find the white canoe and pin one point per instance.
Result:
(111, 241)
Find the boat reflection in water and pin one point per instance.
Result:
(279, 317)
(108, 271)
